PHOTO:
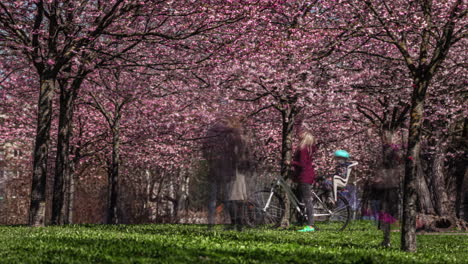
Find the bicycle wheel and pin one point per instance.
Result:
(266, 216)
(332, 216)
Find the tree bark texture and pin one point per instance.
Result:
(62, 161)
(408, 232)
(438, 174)
(288, 116)
(71, 193)
(425, 201)
(114, 163)
(114, 175)
(41, 152)
(461, 172)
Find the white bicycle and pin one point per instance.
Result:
(267, 207)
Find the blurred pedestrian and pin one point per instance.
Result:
(229, 162)
(385, 186)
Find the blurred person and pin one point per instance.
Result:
(229, 164)
(385, 186)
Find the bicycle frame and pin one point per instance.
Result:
(271, 206)
(280, 182)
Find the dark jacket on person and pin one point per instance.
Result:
(227, 153)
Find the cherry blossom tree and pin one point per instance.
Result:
(158, 73)
(423, 33)
(57, 36)
(445, 117)
(283, 63)
(49, 34)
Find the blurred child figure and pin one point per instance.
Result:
(342, 162)
(341, 158)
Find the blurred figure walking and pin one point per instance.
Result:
(227, 153)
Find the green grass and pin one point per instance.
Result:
(194, 243)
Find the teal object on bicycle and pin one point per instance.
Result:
(341, 154)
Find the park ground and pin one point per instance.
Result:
(166, 243)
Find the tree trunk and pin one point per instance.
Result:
(424, 194)
(461, 174)
(185, 191)
(460, 171)
(114, 175)
(408, 232)
(62, 161)
(71, 184)
(438, 174)
(288, 115)
(71, 194)
(41, 152)
(182, 195)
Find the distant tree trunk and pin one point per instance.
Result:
(71, 184)
(170, 197)
(114, 174)
(71, 194)
(156, 194)
(461, 172)
(185, 191)
(462, 179)
(425, 201)
(41, 151)
(438, 174)
(181, 195)
(113, 120)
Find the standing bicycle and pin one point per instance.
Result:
(268, 206)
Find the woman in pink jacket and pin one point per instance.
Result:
(304, 174)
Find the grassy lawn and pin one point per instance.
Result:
(194, 243)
